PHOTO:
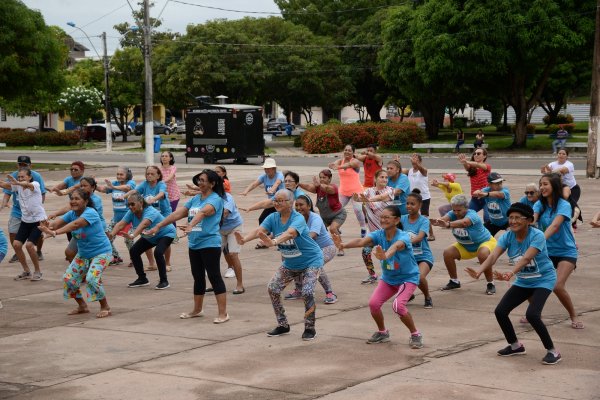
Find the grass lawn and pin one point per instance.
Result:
(6, 167)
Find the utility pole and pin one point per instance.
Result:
(108, 119)
(149, 112)
(593, 162)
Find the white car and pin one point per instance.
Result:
(113, 126)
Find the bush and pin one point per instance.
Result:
(21, 138)
(460, 122)
(320, 140)
(558, 120)
(358, 135)
(401, 136)
(298, 141)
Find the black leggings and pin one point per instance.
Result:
(266, 212)
(515, 296)
(207, 261)
(140, 248)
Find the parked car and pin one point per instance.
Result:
(277, 124)
(34, 129)
(113, 126)
(159, 129)
(96, 132)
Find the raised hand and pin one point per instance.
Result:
(378, 252)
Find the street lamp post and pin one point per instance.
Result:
(108, 118)
(149, 111)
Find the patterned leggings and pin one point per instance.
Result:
(366, 256)
(280, 280)
(329, 253)
(89, 268)
(128, 242)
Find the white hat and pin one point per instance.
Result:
(269, 163)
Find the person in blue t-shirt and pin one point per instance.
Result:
(497, 203)
(399, 181)
(272, 180)
(553, 216)
(399, 277)
(118, 189)
(417, 227)
(14, 221)
(473, 240)
(232, 222)
(535, 279)
(203, 212)
(301, 256)
(143, 217)
(532, 194)
(70, 183)
(93, 253)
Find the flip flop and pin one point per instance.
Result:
(523, 320)
(103, 314)
(431, 238)
(260, 246)
(577, 325)
(78, 311)
(189, 315)
(239, 291)
(221, 320)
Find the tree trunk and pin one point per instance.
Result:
(520, 140)
(594, 128)
(373, 108)
(433, 114)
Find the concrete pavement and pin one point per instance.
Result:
(144, 351)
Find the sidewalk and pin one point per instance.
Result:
(144, 351)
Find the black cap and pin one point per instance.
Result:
(23, 160)
(494, 177)
(522, 209)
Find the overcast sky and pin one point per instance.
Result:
(95, 17)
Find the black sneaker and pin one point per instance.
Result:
(508, 351)
(309, 334)
(451, 285)
(428, 303)
(14, 259)
(162, 285)
(139, 282)
(490, 289)
(280, 330)
(551, 359)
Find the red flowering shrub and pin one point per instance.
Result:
(21, 138)
(400, 136)
(358, 135)
(321, 139)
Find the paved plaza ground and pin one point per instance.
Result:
(144, 351)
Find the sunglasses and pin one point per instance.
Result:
(529, 193)
(478, 153)
(75, 169)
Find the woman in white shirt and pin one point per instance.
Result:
(417, 176)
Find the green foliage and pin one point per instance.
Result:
(559, 119)
(298, 141)
(460, 122)
(21, 138)
(401, 137)
(552, 129)
(80, 103)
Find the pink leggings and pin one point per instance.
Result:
(384, 291)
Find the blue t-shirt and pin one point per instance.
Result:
(206, 233)
(119, 201)
(316, 225)
(472, 236)
(525, 200)
(3, 243)
(147, 191)
(562, 243)
(269, 182)
(298, 253)
(497, 208)
(421, 250)
(403, 184)
(16, 208)
(154, 216)
(97, 202)
(539, 272)
(402, 267)
(70, 181)
(298, 192)
(91, 239)
(234, 218)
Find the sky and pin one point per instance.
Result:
(95, 17)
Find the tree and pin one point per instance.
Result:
(81, 103)
(126, 85)
(32, 61)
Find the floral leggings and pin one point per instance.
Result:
(89, 268)
(128, 242)
(280, 280)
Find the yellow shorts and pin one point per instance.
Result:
(467, 255)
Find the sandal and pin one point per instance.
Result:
(190, 315)
(523, 320)
(219, 320)
(431, 238)
(259, 246)
(577, 325)
(103, 314)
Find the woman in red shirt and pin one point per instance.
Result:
(478, 170)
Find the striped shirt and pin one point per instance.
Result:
(479, 180)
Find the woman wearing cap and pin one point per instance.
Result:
(534, 280)
(204, 212)
(291, 181)
(328, 201)
(478, 171)
(472, 240)
(272, 180)
(301, 256)
(449, 188)
(417, 176)
(348, 169)
(70, 183)
(553, 216)
(497, 203)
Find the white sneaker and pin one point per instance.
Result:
(230, 273)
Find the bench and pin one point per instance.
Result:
(2, 144)
(431, 146)
(169, 146)
(575, 145)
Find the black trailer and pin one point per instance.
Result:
(224, 131)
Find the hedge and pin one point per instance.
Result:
(22, 138)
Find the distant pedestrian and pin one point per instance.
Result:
(561, 139)
(460, 140)
(478, 143)
(288, 129)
